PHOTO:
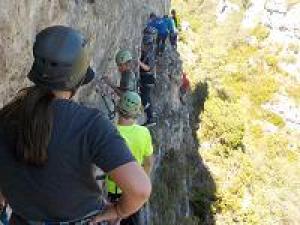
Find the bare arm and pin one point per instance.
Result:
(136, 190)
(144, 66)
(148, 164)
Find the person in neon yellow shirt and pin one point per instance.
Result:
(138, 139)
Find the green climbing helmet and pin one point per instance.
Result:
(61, 59)
(123, 56)
(130, 104)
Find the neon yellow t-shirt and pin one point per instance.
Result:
(139, 141)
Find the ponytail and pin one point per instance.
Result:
(29, 119)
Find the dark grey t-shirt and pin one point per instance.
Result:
(128, 81)
(64, 189)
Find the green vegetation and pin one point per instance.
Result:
(248, 164)
(260, 32)
(273, 118)
(222, 121)
(271, 60)
(258, 88)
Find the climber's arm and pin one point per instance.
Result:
(136, 189)
(144, 66)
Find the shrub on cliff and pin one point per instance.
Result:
(223, 121)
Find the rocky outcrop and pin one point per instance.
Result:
(280, 16)
(287, 109)
(179, 174)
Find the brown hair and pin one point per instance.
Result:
(28, 119)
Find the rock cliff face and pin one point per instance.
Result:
(179, 172)
(111, 25)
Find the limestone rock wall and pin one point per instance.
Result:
(109, 25)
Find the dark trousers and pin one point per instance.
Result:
(131, 220)
(147, 82)
(161, 43)
(146, 101)
(173, 39)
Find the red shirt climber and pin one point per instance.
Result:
(184, 88)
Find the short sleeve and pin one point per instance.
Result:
(108, 149)
(148, 151)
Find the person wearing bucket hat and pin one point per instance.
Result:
(49, 143)
(65, 67)
(139, 141)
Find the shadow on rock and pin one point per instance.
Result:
(203, 187)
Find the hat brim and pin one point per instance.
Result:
(59, 83)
